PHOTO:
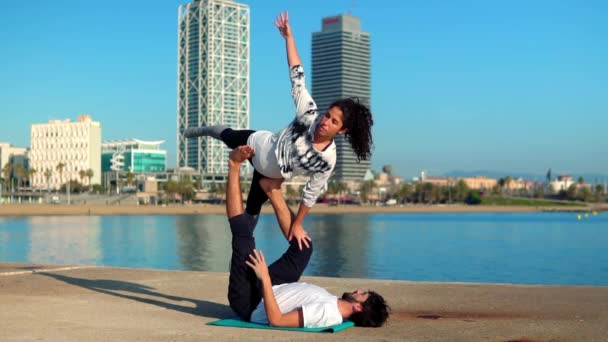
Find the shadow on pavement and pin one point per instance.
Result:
(112, 288)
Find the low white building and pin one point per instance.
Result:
(7, 152)
(561, 183)
(76, 145)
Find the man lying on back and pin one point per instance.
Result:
(272, 294)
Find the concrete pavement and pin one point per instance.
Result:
(63, 303)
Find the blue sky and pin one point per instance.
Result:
(513, 86)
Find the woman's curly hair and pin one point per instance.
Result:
(357, 119)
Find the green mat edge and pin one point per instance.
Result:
(238, 323)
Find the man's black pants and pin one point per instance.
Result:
(244, 292)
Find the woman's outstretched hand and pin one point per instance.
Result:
(282, 23)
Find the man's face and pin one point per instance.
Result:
(357, 296)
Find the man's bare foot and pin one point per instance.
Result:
(241, 153)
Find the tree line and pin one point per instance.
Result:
(16, 175)
(460, 192)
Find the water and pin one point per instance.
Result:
(526, 248)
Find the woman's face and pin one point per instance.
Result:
(331, 123)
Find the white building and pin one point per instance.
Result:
(7, 152)
(212, 79)
(562, 182)
(77, 145)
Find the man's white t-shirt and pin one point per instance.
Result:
(319, 307)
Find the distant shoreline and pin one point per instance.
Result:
(194, 209)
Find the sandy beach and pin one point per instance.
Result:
(193, 209)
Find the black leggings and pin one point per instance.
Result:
(257, 197)
(244, 292)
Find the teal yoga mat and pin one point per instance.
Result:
(237, 323)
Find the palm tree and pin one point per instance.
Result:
(26, 177)
(82, 174)
(185, 188)
(331, 187)
(461, 191)
(7, 172)
(130, 177)
(335, 188)
(31, 173)
(341, 188)
(508, 181)
(571, 192)
(21, 174)
(436, 194)
(59, 169)
(599, 191)
(47, 175)
(212, 189)
(496, 189)
(538, 191)
(366, 189)
(585, 194)
(171, 189)
(90, 174)
(404, 192)
(221, 188)
(427, 190)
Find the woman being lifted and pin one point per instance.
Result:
(305, 147)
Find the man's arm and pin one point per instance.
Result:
(234, 198)
(276, 318)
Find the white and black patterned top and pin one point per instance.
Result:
(295, 152)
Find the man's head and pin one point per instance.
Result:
(369, 308)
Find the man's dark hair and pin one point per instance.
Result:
(374, 312)
(357, 119)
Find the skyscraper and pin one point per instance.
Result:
(341, 68)
(212, 78)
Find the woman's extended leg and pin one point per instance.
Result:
(232, 138)
(205, 131)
